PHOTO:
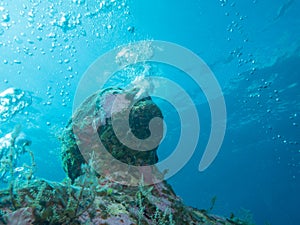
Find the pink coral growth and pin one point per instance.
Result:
(121, 219)
(22, 216)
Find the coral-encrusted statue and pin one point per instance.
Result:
(95, 115)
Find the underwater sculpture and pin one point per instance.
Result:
(95, 115)
(90, 197)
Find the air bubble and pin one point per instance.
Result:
(6, 25)
(130, 29)
(79, 2)
(5, 18)
(18, 40)
(21, 13)
(30, 14)
(51, 35)
(223, 2)
(30, 41)
(101, 4)
(40, 26)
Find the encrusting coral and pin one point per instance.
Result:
(45, 202)
(95, 116)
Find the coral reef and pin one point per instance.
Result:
(89, 197)
(45, 202)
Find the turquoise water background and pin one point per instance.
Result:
(253, 48)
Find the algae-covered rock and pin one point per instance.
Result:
(98, 201)
(95, 116)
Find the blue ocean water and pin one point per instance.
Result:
(253, 49)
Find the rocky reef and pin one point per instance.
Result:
(92, 193)
(98, 202)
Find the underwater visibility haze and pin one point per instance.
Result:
(245, 54)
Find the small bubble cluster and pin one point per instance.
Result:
(42, 38)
